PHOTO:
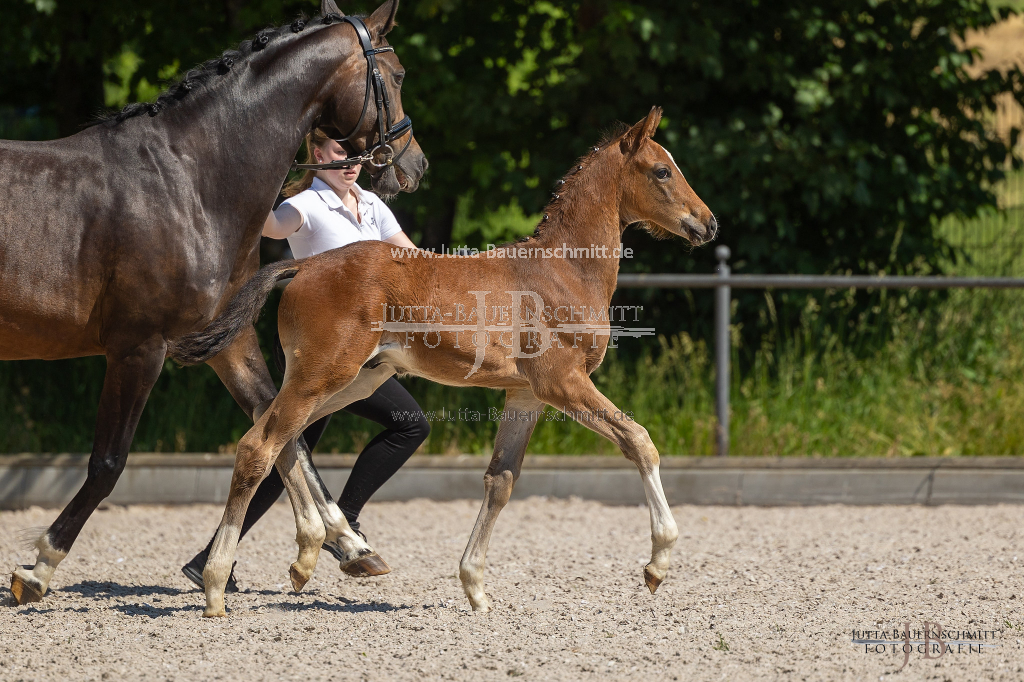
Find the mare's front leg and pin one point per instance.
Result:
(129, 378)
(502, 473)
(577, 395)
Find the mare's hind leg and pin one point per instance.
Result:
(577, 395)
(129, 378)
(521, 412)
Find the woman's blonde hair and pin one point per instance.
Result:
(317, 138)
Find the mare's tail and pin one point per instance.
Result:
(242, 311)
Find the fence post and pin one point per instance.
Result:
(722, 349)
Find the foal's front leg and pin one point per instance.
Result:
(506, 462)
(577, 395)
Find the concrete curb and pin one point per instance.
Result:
(51, 480)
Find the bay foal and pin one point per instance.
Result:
(340, 345)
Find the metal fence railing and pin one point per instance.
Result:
(724, 281)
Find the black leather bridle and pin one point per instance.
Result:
(386, 131)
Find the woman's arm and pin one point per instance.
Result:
(283, 222)
(399, 239)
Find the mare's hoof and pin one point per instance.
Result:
(366, 566)
(652, 581)
(25, 592)
(299, 579)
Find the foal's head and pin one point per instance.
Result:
(653, 189)
(344, 110)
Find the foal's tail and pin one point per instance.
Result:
(242, 311)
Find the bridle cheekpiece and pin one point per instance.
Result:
(386, 131)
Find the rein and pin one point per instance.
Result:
(386, 131)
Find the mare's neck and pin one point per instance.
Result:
(241, 133)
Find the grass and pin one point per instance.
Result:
(993, 243)
(947, 383)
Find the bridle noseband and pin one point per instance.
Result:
(386, 132)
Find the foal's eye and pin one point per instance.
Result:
(662, 173)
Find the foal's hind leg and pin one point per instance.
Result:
(257, 450)
(242, 369)
(309, 526)
(302, 399)
(577, 395)
(502, 474)
(244, 373)
(129, 378)
(354, 555)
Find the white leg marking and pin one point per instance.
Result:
(339, 535)
(309, 527)
(37, 580)
(218, 568)
(664, 531)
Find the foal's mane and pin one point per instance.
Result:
(569, 181)
(205, 74)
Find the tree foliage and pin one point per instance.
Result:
(827, 135)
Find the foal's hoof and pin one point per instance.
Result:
(298, 577)
(480, 606)
(23, 590)
(213, 613)
(366, 566)
(651, 580)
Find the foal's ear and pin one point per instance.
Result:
(383, 18)
(329, 7)
(641, 132)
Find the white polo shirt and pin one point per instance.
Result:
(328, 224)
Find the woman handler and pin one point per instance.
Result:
(326, 210)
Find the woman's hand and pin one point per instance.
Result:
(282, 223)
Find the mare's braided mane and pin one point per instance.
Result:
(205, 73)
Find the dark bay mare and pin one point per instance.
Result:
(139, 229)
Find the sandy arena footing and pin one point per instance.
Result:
(754, 594)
